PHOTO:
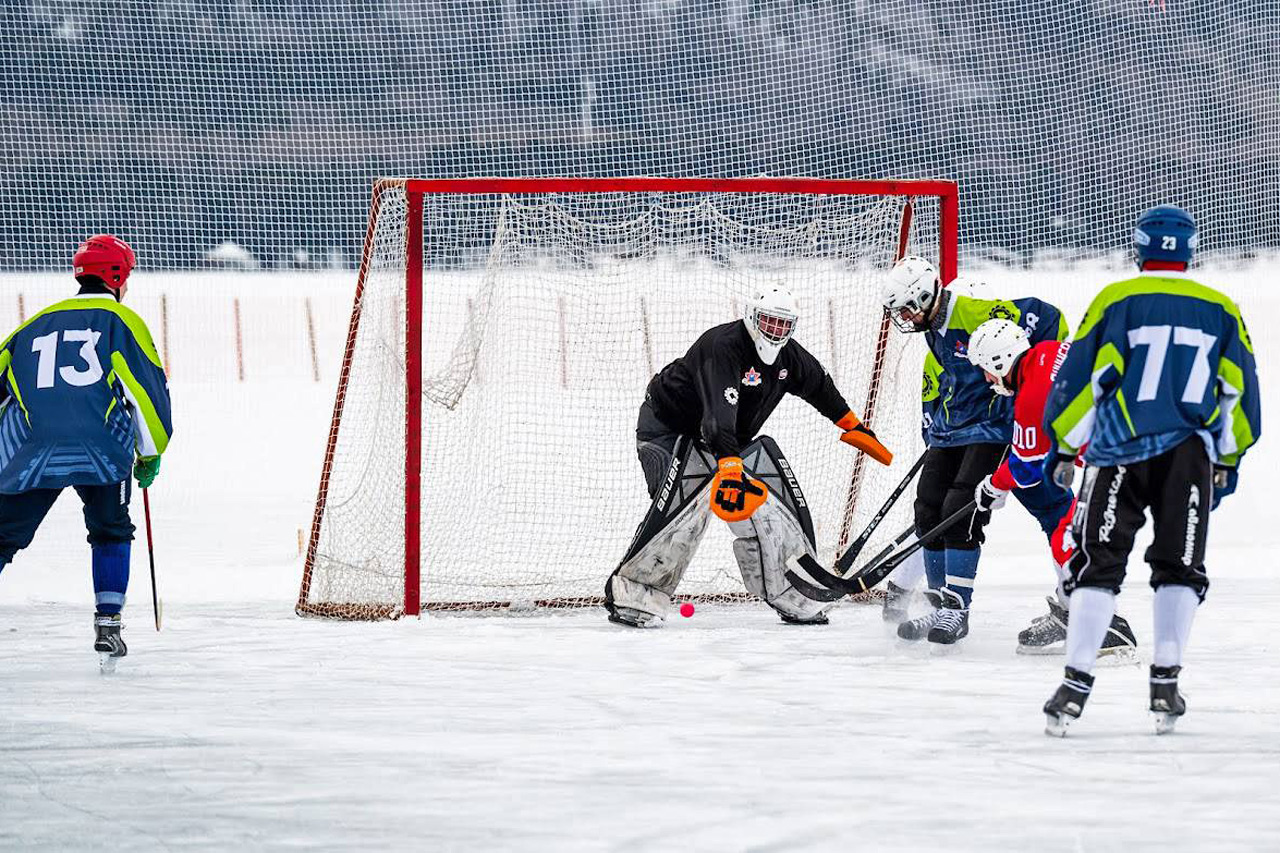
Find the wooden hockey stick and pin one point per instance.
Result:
(151, 555)
(845, 561)
(833, 586)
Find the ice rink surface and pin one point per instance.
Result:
(241, 725)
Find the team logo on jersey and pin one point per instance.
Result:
(751, 378)
(731, 394)
(1000, 312)
(782, 374)
(962, 349)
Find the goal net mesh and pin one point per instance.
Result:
(544, 318)
(185, 125)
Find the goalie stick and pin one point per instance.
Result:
(833, 586)
(845, 561)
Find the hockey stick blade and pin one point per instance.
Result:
(867, 577)
(831, 584)
(845, 560)
(822, 574)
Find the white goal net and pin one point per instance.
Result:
(544, 315)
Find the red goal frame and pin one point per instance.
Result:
(416, 188)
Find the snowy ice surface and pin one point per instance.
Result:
(241, 724)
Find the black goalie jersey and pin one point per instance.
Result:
(722, 391)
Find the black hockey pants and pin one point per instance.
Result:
(947, 482)
(1177, 486)
(106, 515)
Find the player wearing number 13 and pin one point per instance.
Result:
(82, 394)
(1160, 385)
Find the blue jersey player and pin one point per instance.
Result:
(1160, 384)
(83, 400)
(969, 430)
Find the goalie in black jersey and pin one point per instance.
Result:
(698, 445)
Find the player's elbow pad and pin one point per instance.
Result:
(1026, 473)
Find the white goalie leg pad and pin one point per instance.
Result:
(645, 582)
(765, 542)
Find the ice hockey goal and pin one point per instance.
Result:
(482, 451)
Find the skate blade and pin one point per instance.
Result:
(1043, 651)
(107, 663)
(1055, 725)
(1122, 656)
(942, 650)
(1165, 722)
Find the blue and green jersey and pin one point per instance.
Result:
(930, 381)
(965, 409)
(82, 392)
(1157, 359)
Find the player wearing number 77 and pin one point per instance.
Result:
(83, 399)
(1161, 386)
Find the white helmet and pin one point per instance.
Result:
(771, 320)
(994, 346)
(970, 287)
(911, 286)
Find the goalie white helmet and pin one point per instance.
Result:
(771, 320)
(910, 290)
(994, 346)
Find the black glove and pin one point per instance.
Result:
(1062, 469)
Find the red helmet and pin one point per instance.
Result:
(107, 257)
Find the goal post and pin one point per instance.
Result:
(481, 455)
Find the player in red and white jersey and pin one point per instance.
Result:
(1016, 369)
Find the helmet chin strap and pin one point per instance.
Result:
(1002, 389)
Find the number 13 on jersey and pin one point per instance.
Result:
(46, 347)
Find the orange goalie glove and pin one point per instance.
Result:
(857, 434)
(734, 495)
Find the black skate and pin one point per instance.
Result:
(1068, 702)
(632, 618)
(820, 619)
(1166, 702)
(952, 624)
(918, 628)
(897, 601)
(1119, 640)
(108, 643)
(1047, 634)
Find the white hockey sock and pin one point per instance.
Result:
(1091, 612)
(909, 573)
(1175, 609)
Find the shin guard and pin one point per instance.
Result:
(780, 530)
(639, 590)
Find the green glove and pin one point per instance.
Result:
(145, 470)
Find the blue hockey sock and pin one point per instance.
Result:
(110, 575)
(962, 568)
(935, 568)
